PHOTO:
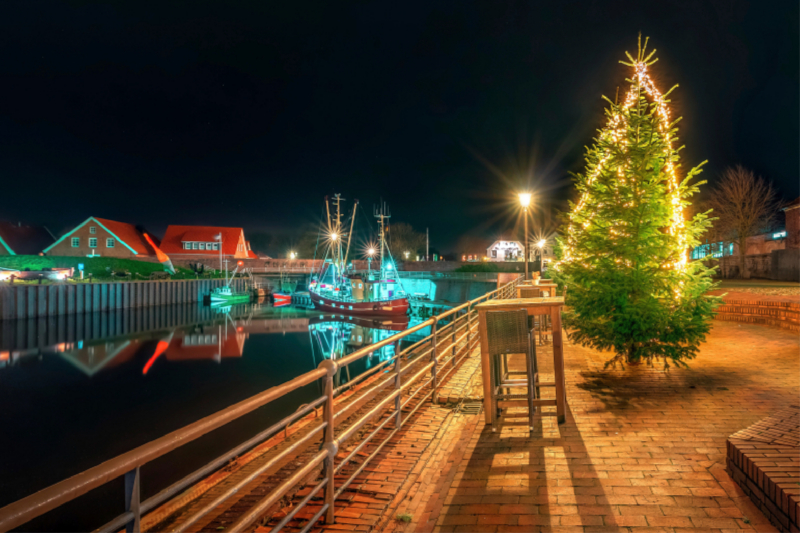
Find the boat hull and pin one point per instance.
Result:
(397, 306)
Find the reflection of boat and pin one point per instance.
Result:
(336, 288)
(390, 323)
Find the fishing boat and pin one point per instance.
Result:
(226, 295)
(337, 288)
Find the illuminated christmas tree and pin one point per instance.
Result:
(631, 288)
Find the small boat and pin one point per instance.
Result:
(279, 299)
(227, 295)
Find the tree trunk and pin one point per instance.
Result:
(743, 258)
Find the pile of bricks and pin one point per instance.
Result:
(764, 459)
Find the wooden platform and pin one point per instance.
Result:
(764, 460)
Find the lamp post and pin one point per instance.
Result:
(525, 201)
(541, 244)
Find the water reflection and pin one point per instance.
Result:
(81, 389)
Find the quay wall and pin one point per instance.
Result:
(31, 301)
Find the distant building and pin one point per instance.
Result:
(505, 251)
(16, 239)
(100, 237)
(201, 241)
(793, 224)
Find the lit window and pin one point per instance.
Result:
(76, 241)
(93, 242)
(92, 229)
(202, 246)
(109, 243)
(195, 245)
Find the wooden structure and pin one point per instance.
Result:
(533, 306)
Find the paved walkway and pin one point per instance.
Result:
(642, 450)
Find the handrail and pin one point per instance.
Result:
(129, 463)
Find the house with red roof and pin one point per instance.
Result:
(205, 241)
(102, 237)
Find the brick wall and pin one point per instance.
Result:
(764, 460)
(65, 248)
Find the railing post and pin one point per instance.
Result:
(434, 369)
(469, 327)
(132, 499)
(397, 387)
(330, 438)
(455, 329)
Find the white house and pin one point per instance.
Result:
(505, 251)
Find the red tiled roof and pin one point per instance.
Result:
(25, 240)
(128, 234)
(172, 243)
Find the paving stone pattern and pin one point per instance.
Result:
(642, 450)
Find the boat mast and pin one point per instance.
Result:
(350, 235)
(382, 215)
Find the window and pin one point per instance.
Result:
(93, 242)
(187, 246)
(109, 243)
(195, 245)
(76, 241)
(494, 253)
(92, 229)
(202, 246)
(216, 246)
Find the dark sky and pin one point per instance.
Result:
(249, 113)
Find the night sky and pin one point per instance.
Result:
(229, 114)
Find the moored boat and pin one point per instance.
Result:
(338, 288)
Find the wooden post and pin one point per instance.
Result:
(434, 369)
(485, 367)
(558, 363)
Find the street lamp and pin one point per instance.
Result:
(406, 254)
(370, 253)
(525, 201)
(292, 255)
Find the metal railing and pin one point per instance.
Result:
(474, 276)
(433, 357)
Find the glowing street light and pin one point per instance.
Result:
(406, 254)
(542, 243)
(334, 237)
(525, 201)
(292, 255)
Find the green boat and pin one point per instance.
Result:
(227, 295)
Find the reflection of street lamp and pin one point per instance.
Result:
(525, 201)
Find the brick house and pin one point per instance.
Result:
(104, 238)
(203, 242)
(16, 239)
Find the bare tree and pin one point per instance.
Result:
(745, 205)
(403, 241)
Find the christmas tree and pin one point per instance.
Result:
(631, 288)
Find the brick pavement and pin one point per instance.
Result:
(642, 449)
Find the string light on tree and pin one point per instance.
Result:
(625, 253)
